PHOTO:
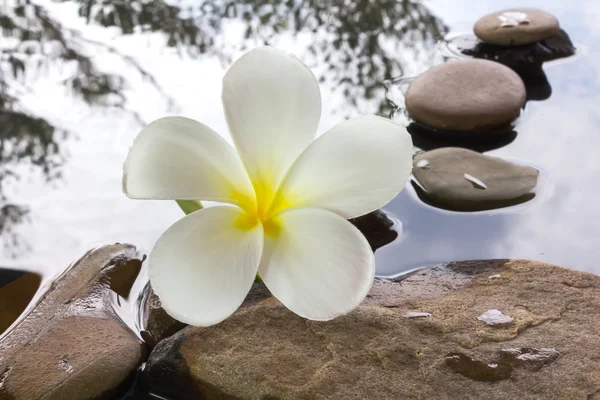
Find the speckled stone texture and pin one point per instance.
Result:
(551, 349)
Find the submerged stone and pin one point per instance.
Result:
(464, 180)
(516, 26)
(264, 351)
(72, 344)
(466, 95)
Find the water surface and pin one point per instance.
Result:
(48, 221)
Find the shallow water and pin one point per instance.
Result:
(83, 206)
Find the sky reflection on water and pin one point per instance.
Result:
(85, 207)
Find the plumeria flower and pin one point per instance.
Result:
(287, 198)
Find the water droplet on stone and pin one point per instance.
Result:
(416, 314)
(495, 317)
(477, 184)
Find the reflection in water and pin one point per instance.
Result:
(350, 46)
(427, 138)
(353, 46)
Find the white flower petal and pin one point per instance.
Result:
(272, 104)
(179, 158)
(356, 167)
(203, 266)
(316, 263)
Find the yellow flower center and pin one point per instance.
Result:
(263, 209)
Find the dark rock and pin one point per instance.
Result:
(516, 26)
(72, 345)
(377, 228)
(157, 323)
(264, 351)
(467, 95)
(427, 138)
(519, 57)
(17, 289)
(463, 180)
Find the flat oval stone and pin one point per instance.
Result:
(464, 180)
(466, 95)
(516, 26)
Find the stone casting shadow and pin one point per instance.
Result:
(428, 138)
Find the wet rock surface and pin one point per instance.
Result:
(72, 345)
(158, 324)
(466, 95)
(463, 180)
(264, 351)
(17, 288)
(516, 26)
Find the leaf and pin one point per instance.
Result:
(189, 206)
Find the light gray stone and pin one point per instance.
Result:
(466, 95)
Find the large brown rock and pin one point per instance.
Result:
(464, 180)
(516, 26)
(72, 345)
(384, 350)
(466, 95)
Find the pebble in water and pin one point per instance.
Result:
(495, 317)
(466, 96)
(515, 27)
(497, 183)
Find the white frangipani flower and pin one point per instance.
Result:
(291, 198)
